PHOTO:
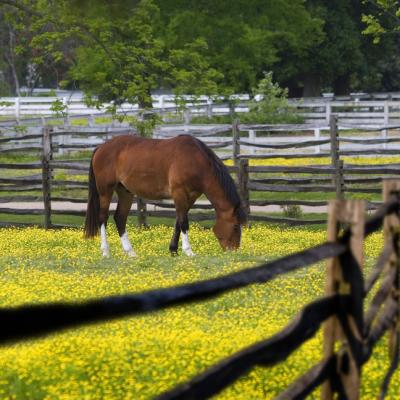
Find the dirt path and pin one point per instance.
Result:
(65, 205)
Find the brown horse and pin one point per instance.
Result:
(181, 168)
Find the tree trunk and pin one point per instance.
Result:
(146, 105)
(10, 57)
(341, 85)
(312, 86)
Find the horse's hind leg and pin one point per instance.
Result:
(125, 199)
(173, 246)
(105, 200)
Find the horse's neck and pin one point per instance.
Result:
(223, 207)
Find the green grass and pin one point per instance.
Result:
(78, 221)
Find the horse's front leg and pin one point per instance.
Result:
(183, 221)
(183, 202)
(186, 248)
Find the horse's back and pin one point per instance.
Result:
(151, 168)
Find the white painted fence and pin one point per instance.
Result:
(355, 111)
(74, 105)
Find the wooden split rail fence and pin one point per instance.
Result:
(57, 176)
(351, 327)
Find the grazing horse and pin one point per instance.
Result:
(181, 168)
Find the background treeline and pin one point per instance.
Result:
(122, 50)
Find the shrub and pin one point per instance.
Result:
(292, 211)
(270, 104)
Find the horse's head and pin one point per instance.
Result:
(228, 230)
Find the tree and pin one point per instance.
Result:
(8, 44)
(116, 51)
(381, 23)
(270, 104)
(244, 37)
(22, 64)
(383, 18)
(332, 62)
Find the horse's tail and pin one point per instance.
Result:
(92, 224)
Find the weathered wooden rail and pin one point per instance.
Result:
(57, 175)
(350, 334)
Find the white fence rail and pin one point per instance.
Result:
(317, 111)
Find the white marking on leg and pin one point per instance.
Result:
(104, 247)
(126, 245)
(186, 245)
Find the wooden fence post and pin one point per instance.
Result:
(346, 279)
(391, 190)
(209, 108)
(141, 212)
(385, 122)
(231, 105)
(328, 112)
(91, 120)
(252, 139)
(17, 108)
(46, 175)
(337, 164)
(186, 119)
(243, 177)
(317, 136)
(236, 144)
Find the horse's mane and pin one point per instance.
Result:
(225, 180)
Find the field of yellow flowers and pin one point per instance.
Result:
(137, 358)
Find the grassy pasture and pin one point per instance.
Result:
(136, 358)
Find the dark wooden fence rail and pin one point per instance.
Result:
(337, 178)
(349, 335)
(55, 177)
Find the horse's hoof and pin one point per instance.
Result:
(190, 253)
(131, 254)
(174, 253)
(106, 254)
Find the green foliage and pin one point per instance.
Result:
(122, 50)
(270, 104)
(292, 211)
(385, 19)
(191, 73)
(144, 122)
(124, 59)
(244, 37)
(58, 108)
(20, 128)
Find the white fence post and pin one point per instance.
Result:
(385, 122)
(17, 108)
(186, 118)
(317, 136)
(252, 139)
(161, 102)
(209, 108)
(91, 121)
(328, 112)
